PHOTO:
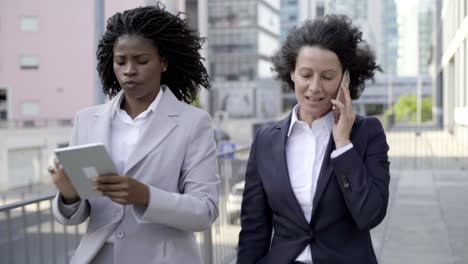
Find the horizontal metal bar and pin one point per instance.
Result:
(27, 202)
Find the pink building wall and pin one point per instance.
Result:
(64, 81)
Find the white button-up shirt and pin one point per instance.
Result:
(125, 134)
(305, 151)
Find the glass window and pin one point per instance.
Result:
(320, 11)
(30, 108)
(3, 104)
(268, 19)
(29, 24)
(29, 62)
(24, 166)
(466, 69)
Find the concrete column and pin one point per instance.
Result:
(202, 10)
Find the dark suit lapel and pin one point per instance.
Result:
(282, 175)
(327, 169)
(325, 174)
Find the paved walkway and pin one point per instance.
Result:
(427, 218)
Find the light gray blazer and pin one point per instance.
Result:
(176, 158)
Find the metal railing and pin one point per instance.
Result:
(35, 123)
(30, 234)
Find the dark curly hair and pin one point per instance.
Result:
(335, 33)
(172, 37)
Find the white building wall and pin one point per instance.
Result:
(455, 67)
(26, 153)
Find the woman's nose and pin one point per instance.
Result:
(130, 70)
(314, 84)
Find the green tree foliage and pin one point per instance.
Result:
(405, 109)
(196, 102)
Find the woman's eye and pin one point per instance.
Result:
(120, 63)
(327, 77)
(142, 62)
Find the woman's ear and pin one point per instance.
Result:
(292, 76)
(164, 64)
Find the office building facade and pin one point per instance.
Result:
(47, 73)
(243, 36)
(451, 71)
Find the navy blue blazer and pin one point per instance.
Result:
(351, 198)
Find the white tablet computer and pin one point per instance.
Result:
(83, 162)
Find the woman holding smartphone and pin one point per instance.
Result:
(317, 181)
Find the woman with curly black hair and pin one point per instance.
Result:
(319, 178)
(163, 148)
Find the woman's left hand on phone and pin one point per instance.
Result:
(345, 115)
(122, 189)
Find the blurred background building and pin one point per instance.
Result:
(47, 73)
(450, 67)
(243, 35)
(294, 12)
(415, 36)
(378, 21)
(47, 69)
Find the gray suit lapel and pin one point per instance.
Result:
(159, 127)
(99, 128)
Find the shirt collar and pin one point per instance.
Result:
(151, 108)
(325, 123)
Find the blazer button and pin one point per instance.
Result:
(345, 182)
(120, 234)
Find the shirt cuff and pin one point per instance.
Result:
(338, 152)
(67, 210)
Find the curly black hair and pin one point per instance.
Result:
(335, 33)
(172, 37)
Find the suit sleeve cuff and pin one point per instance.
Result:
(78, 215)
(67, 210)
(338, 152)
(141, 212)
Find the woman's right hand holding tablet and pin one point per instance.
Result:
(63, 184)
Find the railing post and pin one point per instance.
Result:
(65, 245)
(52, 232)
(11, 252)
(39, 232)
(208, 246)
(25, 227)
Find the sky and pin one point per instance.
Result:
(408, 37)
